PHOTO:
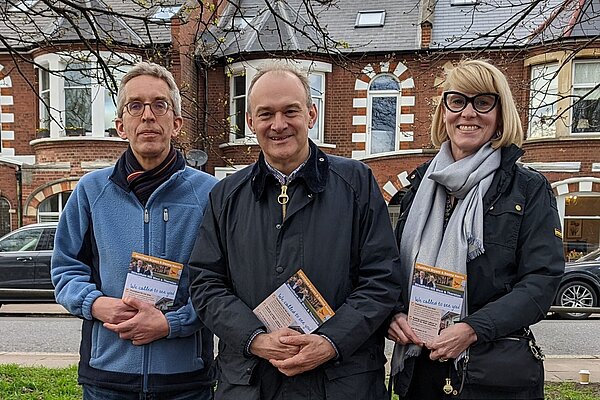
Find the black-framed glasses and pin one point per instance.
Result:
(482, 103)
(158, 107)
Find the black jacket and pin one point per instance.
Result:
(336, 230)
(512, 285)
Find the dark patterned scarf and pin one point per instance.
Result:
(144, 183)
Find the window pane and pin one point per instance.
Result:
(239, 120)
(49, 204)
(47, 239)
(383, 124)
(44, 110)
(384, 82)
(44, 99)
(587, 74)
(543, 97)
(316, 129)
(21, 241)
(77, 74)
(44, 79)
(65, 196)
(370, 18)
(78, 108)
(239, 85)
(316, 85)
(586, 111)
(4, 216)
(110, 110)
(586, 103)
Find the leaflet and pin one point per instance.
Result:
(296, 304)
(153, 280)
(436, 300)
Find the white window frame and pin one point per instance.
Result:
(80, 69)
(23, 6)
(319, 129)
(585, 86)
(363, 19)
(57, 62)
(383, 93)
(51, 216)
(164, 13)
(249, 69)
(238, 128)
(223, 172)
(543, 92)
(464, 2)
(44, 108)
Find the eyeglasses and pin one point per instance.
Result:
(158, 107)
(482, 103)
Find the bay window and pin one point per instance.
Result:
(585, 117)
(241, 75)
(76, 96)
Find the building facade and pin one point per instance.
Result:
(375, 72)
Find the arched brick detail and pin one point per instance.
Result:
(576, 185)
(392, 186)
(361, 86)
(42, 193)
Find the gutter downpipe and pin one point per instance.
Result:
(19, 177)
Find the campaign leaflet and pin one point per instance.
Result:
(295, 304)
(153, 280)
(436, 300)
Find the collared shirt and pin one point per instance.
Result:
(283, 178)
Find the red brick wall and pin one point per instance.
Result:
(8, 189)
(585, 151)
(25, 105)
(184, 69)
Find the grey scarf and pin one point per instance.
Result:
(424, 239)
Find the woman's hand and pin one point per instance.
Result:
(400, 332)
(452, 341)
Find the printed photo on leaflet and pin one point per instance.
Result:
(153, 280)
(436, 299)
(297, 304)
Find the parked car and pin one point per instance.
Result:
(25, 255)
(580, 285)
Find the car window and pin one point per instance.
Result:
(47, 240)
(25, 240)
(594, 255)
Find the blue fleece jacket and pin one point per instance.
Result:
(101, 225)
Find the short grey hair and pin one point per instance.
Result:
(280, 68)
(150, 69)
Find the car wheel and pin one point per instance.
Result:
(576, 294)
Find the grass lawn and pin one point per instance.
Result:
(28, 383)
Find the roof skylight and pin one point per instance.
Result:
(370, 18)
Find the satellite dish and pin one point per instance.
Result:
(196, 158)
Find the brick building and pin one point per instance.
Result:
(376, 92)
(374, 72)
(59, 69)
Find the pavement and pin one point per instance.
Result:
(559, 368)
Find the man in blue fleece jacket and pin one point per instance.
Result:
(149, 203)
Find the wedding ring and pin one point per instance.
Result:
(442, 359)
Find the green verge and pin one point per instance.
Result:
(37, 383)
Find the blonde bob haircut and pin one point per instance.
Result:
(473, 77)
